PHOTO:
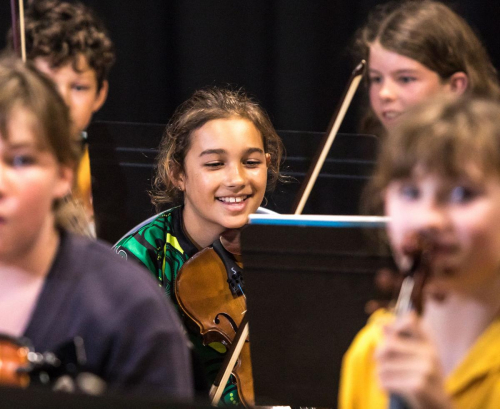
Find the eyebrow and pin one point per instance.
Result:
(223, 151)
(21, 145)
(403, 71)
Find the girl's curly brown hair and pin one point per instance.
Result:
(203, 106)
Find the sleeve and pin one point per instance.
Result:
(144, 247)
(136, 248)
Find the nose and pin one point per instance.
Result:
(431, 218)
(235, 176)
(387, 91)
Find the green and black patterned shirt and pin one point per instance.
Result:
(162, 246)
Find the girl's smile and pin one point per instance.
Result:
(223, 179)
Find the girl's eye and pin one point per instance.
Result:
(18, 161)
(375, 79)
(406, 79)
(409, 192)
(214, 165)
(463, 194)
(253, 163)
(78, 87)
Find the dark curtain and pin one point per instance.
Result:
(292, 55)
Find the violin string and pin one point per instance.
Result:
(243, 302)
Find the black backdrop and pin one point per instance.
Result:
(293, 55)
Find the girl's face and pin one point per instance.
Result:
(397, 83)
(224, 179)
(460, 218)
(30, 180)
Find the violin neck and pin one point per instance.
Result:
(404, 303)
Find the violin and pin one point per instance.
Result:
(14, 361)
(21, 366)
(209, 290)
(411, 293)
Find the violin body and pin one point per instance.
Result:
(21, 366)
(14, 363)
(203, 294)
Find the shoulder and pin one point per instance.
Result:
(152, 231)
(358, 387)
(107, 286)
(369, 336)
(477, 377)
(95, 265)
(146, 243)
(122, 310)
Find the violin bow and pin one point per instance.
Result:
(306, 187)
(229, 362)
(18, 30)
(327, 141)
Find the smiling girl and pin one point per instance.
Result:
(415, 50)
(219, 154)
(438, 177)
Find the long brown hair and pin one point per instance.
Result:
(434, 35)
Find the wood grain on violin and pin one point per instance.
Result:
(204, 294)
(14, 363)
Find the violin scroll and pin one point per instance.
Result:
(417, 250)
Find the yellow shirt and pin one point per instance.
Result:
(81, 211)
(475, 383)
(84, 191)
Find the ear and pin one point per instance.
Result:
(176, 175)
(65, 182)
(268, 159)
(101, 96)
(458, 82)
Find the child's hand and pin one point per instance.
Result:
(408, 365)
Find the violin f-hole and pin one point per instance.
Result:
(229, 319)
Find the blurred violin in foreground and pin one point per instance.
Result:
(417, 250)
(21, 366)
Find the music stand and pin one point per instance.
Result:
(307, 281)
(122, 157)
